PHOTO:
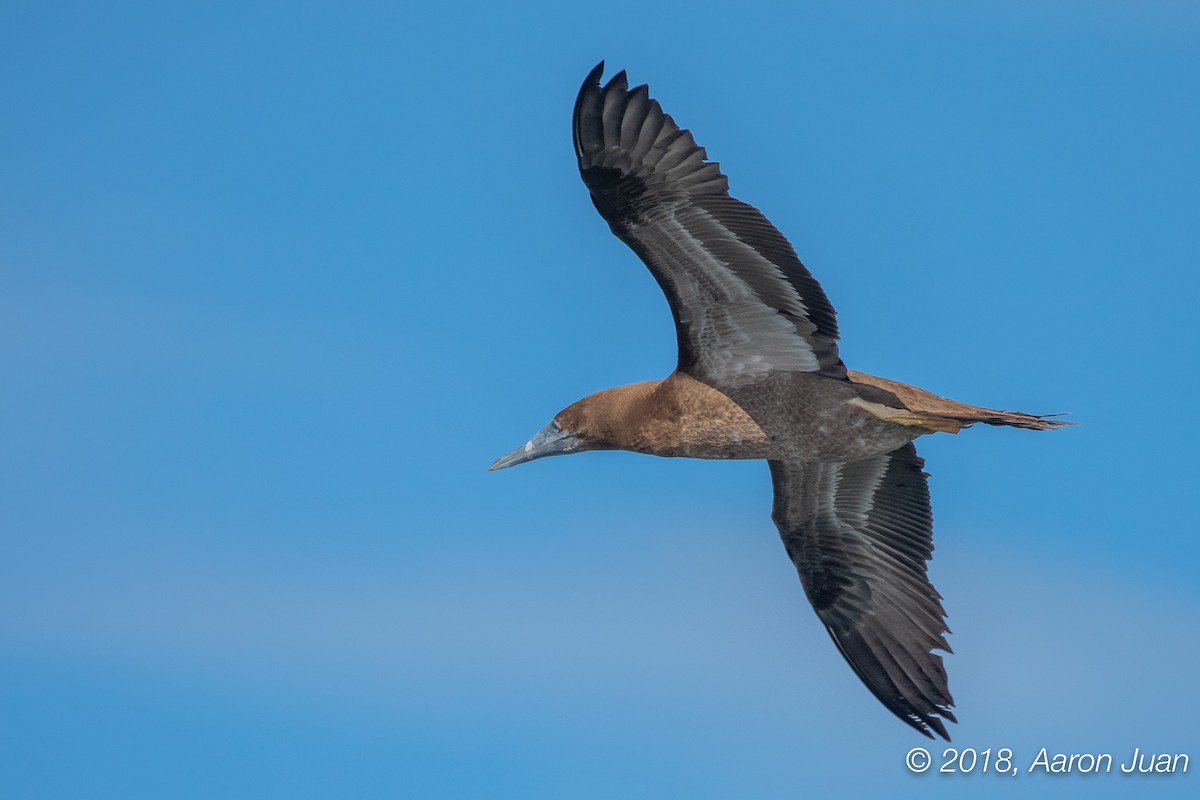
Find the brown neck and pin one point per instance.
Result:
(678, 416)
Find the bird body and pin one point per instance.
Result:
(760, 377)
(782, 417)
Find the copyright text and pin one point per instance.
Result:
(1004, 761)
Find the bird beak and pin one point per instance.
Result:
(549, 441)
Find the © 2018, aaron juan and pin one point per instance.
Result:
(760, 377)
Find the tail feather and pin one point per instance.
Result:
(924, 402)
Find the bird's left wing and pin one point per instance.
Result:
(744, 305)
(860, 534)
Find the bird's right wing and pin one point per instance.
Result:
(860, 534)
(744, 305)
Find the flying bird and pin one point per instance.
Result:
(759, 377)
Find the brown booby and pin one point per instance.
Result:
(759, 376)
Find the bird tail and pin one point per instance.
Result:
(929, 405)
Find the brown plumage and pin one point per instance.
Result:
(678, 416)
(760, 376)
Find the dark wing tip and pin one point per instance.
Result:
(616, 127)
(589, 93)
(620, 82)
(919, 709)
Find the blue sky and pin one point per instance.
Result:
(279, 281)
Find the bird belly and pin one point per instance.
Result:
(809, 417)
